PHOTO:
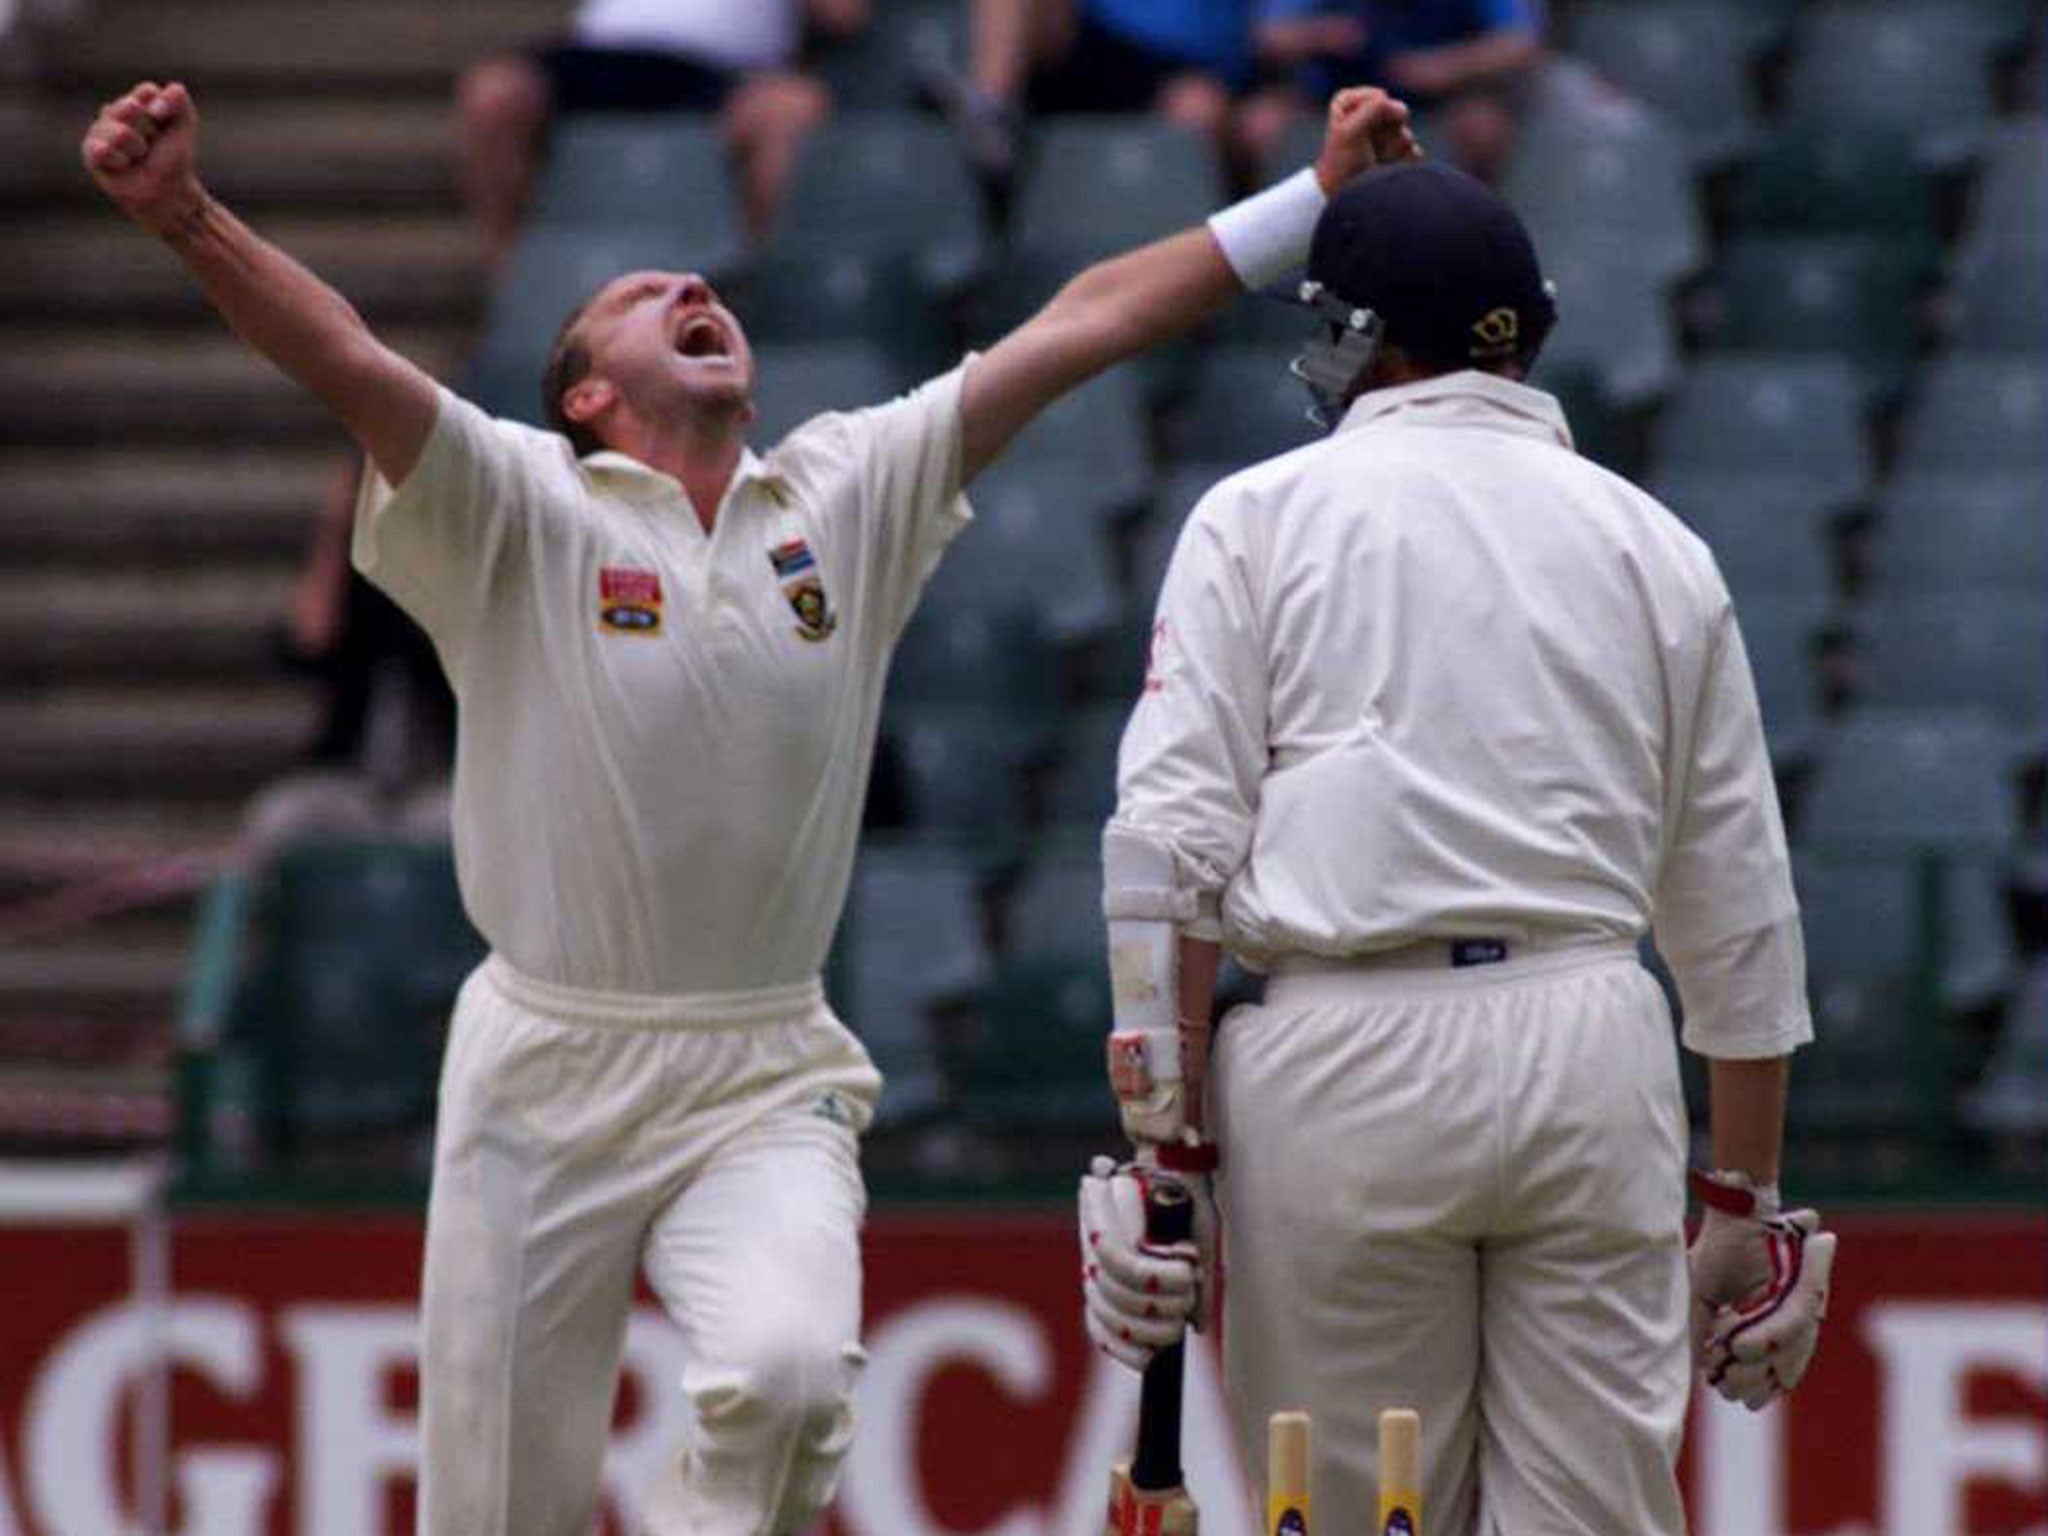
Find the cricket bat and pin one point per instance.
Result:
(1147, 1494)
(1287, 1506)
(1400, 1473)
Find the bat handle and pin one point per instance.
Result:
(1169, 1218)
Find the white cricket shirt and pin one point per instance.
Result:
(663, 736)
(733, 34)
(1437, 676)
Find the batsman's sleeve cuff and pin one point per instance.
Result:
(1265, 237)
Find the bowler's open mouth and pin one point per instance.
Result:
(702, 337)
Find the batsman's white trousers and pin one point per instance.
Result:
(713, 1139)
(1462, 1191)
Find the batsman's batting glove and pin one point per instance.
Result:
(1759, 1289)
(1139, 1296)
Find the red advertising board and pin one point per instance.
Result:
(293, 1384)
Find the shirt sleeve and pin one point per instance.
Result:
(1726, 919)
(438, 542)
(910, 466)
(1194, 753)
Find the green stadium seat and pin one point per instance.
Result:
(1998, 300)
(1962, 649)
(366, 946)
(1099, 185)
(1962, 535)
(962, 766)
(1878, 63)
(793, 384)
(1689, 61)
(1100, 427)
(553, 269)
(1603, 430)
(1247, 406)
(1764, 532)
(910, 945)
(2012, 1098)
(1809, 180)
(1617, 184)
(631, 170)
(879, 68)
(841, 296)
(1908, 779)
(1765, 414)
(1082, 794)
(1615, 324)
(1847, 296)
(1046, 561)
(1978, 414)
(967, 653)
(2010, 204)
(877, 182)
(1781, 636)
(1184, 485)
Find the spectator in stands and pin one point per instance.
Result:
(1466, 63)
(737, 58)
(1187, 60)
(379, 761)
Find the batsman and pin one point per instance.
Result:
(1441, 719)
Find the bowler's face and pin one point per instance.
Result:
(666, 333)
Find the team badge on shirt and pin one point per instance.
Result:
(797, 569)
(628, 600)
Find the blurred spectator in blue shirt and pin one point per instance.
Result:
(1464, 64)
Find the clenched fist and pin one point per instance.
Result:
(143, 150)
(1366, 127)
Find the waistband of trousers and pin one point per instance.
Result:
(651, 1010)
(1425, 966)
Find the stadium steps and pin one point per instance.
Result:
(157, 508)
(88, 266)
(93, 387)
(166, 741)
(123, 974)
(90, 624)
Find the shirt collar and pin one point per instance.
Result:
(628, 476)
(1468, 398)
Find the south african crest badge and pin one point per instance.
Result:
(803, 585)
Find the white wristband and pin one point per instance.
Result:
(1266, 236)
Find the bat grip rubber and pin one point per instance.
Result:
(1169, 1218)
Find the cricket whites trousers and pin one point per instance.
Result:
(1461, 1190)
(711, 1140)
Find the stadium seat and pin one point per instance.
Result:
(910, 944)
(1246, 406)
(552, 269)
(1768, 413)
(1614, 324)
(1848, 296)
(1908, 779)
(842, 296)
(2012, 1099)
(1998, 300)
(2010, 204)
(962, 767)
(1047, 561)
(1978, 414)
(1781, 636)
(879, 69)
(1618, 185)
(1184, 485)
(793, 384)
(1814, 181)
(876, 182)
(1962, 649)
(1602, 429)
(968, 653)
(1875, 1055)
(628, 170)
(1765, 533)
(1686, 60)
(1099, 185)
(1962, 535)
(1883, 62)
(366, 947)
(1082, 795)
(1100, 427)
